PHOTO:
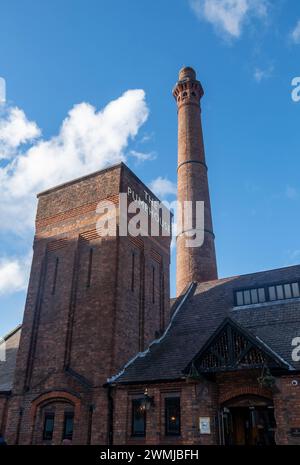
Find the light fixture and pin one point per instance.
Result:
(147, 402)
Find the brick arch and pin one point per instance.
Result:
(50, 397)
(245, 391)
(53, 396)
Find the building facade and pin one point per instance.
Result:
(105, 359)
(93, 302)
(222, 373)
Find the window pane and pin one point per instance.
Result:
(172, 410)
(279, 290)
(254, 297)
(48, 426)
(295, 288)
(68, 425)
(239, 298)
(272, 293)
(247, 299)
(261, 295)
(287, 291)
(138, 418)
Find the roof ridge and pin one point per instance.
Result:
(255, 273)
(11, 333)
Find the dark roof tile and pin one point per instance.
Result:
(197, 317)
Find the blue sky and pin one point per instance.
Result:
(127, 54)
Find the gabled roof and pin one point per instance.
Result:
(203, 309)
(232, 347)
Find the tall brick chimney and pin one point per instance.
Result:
(193, 263)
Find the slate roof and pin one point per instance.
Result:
(7, 367)
(199, 313)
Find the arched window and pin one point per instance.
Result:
(54, 422)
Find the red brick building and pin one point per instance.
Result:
(102, 359)
(93, 302)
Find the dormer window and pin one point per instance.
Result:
(269, 293)
(250, 296)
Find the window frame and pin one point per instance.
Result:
(47, 416)
(168, 432)
(266, 289)
(134, 433)
(67, 415)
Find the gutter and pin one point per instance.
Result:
(110, 417)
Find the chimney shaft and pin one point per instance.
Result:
(193, 263)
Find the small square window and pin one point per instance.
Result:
(287, 291)
(272, 293)
(279, 290)
(261, 295)
(295, 289)
(247, 298)
(254, 296)
(239, 298)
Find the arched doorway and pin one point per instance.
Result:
(247, 421)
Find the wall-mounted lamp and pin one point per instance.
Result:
(147, 401)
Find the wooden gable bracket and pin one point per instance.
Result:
(232, 348)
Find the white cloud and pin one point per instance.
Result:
(263, 74)
(88, 140)
(229, 16)
(14, 274)
(163, 187)
(15, 130)
(141, 156)
(295, 34)
(146, 138)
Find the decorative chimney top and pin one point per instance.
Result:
(187, 73)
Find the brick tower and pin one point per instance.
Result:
(193, 263)
(93, 302)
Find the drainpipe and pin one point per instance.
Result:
(19, 426)
(90, 423)
(110, 420)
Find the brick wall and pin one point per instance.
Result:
(83, 318)
(287, 409)
(205, 399)
(196, 400)
(4, 398)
